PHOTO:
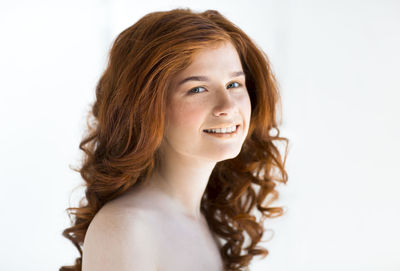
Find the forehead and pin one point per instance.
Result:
(216, 58)
(224, 53)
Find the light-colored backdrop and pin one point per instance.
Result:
(338, 67)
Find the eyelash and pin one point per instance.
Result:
(191, 91)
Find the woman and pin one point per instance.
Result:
(179, 153)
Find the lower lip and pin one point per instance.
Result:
(220, 135)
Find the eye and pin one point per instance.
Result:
(194, 90)
(237, 84)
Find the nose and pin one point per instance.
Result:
(225, 104)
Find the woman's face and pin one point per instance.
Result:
(210, 93)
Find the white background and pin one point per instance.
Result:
(338, 67)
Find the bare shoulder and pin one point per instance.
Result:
(120, 239)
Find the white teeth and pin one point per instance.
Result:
(222, 130)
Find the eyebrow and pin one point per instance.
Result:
(205, 78)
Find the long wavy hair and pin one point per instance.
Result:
(126, 124)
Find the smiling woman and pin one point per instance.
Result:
(179, 155)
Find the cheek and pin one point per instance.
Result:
(249, 108)
(186, 116)
(245, 106)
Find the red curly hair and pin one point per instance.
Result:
(125, 130)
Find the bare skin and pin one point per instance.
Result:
(183, 242)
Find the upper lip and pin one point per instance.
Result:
(223, 126)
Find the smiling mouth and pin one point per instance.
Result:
(220, 134)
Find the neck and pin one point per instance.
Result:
(183, 181)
